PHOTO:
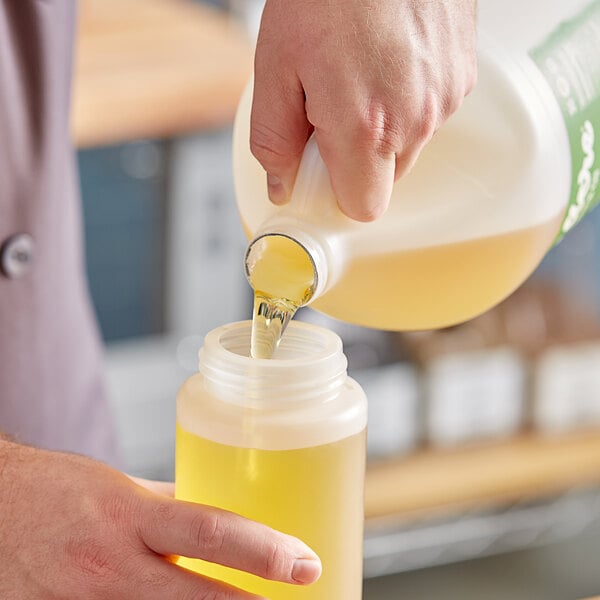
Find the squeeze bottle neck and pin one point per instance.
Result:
(309, 365)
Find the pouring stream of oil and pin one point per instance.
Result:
(283, 277)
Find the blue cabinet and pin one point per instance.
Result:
(123, 193)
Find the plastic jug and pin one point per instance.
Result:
(505, 177)
(280, 441)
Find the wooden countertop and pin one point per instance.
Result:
(442, 481)
(155, 68)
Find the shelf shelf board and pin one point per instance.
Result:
(432, 482)
(155, 68)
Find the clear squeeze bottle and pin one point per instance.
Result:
(280, 441)
(501, 181)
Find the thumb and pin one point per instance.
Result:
(278, 132)
(362, 176)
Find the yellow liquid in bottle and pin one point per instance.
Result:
(434, 286)
(311, 493)
(282, 275)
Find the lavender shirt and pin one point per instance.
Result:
(51, 384)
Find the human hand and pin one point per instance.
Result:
(373, 78)
(72, 528)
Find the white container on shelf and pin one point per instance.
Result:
(394, 393)
(566, 388)
(474, 396)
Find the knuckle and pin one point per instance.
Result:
(164, 513)
(378, 130)
(372, 127)
(208, 531)
(428, 121)
(161, 515)
(91, 559)
(116, 508)
(276, 560)
(270, 147)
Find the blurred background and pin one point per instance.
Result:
(484, 440)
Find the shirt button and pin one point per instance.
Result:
(16, 255)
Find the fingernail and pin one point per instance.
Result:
(306, 570)
(277, 192)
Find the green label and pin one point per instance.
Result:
(570, 60)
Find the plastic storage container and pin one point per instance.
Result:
(280, 441)
(502, 179)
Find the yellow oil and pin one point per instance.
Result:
(282, 275)
(311, 493)
(434, 286)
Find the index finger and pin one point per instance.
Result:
(198, 531)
